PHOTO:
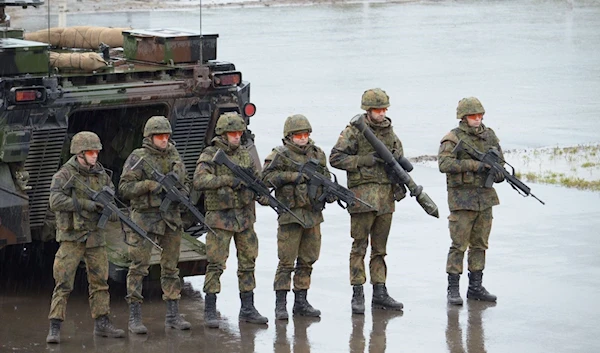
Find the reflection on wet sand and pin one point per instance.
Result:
(377, 338)
(301, 343)
(475, 332)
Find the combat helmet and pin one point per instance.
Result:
(469, 106)
(228, 122)
(374, 98)
(296, 123)
(157, 124)
(85, 141)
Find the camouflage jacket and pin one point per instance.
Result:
(465, 186)
(371, 184)
(226, 208)
(72, 222)
(145, 203)
(295, 196)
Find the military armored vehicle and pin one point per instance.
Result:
(174, 73)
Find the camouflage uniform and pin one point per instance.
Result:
(80, 238)
(371, 184)
(295, 243)
(470, 203)
(230, 212)
(164, 226)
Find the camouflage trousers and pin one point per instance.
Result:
(378, 227)
(66, 261)
(139, 254)
(468, 230)
(217, 252)
(300, 245)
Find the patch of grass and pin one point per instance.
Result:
(561, 180)
(589, 165)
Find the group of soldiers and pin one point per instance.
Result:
(229, 204)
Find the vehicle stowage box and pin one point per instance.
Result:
(165, 46)
(19, 56)
(11, 32)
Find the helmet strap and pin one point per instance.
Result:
(85, 161)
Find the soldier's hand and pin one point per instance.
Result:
(237, 184)
(300, 178)
(90, 205)
(331, 198)
(263, 200)
(152, 186)
(498, 177)
(399, 192)
(113, 217)
(483, 167)
(369, 160)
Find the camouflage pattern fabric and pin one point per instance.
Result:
(468, 229)
(282, 177)
(139, 255)
(371, 184)
(66, 261)
(217, 252)
(226, 208)
(164, 226)
(470, 203)
(378, 227)
(73, 223)
(299, 245)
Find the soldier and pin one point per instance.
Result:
(79, 237)
(138, 186)
(470, 203)
(230, 213)
(296, 243)
(368, 179)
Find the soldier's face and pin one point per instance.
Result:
(161, 140)
(377, 114)
(474, 120)
(301, 138)
(91, 157)
(234, 137)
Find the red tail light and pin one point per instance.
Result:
(28, 95)
(249, 109)
(230, 78)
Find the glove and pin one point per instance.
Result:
(498, 177)
(368, 160)
(331, 198)
(90, 205)
(399, 192)
(483, 168)
(152, 186)
(237, 184)
(263, 200)
(113, 217)
(299, 178)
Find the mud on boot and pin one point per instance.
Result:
(173, 319)
(210, 311)
(382, 300)
(103, 327)
(281, 305)
(135, 324)
(454, 289)
(54, 331)
(476, 291)
(248, 312)
(302, 307)
(358, 299)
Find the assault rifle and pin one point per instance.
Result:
(106, 197)
(254, 184)
(317, 179)
(396, 172)
(493, 159)
(170, 184)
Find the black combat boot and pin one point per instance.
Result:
(210, 311)
(302, 307)
(281, 305)
(103, 327)
(358, 299)
(173, 319)
(248, 312)
(135, 319)
(453, 289)
(382, 300)
(54, 332)
(476, 291)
